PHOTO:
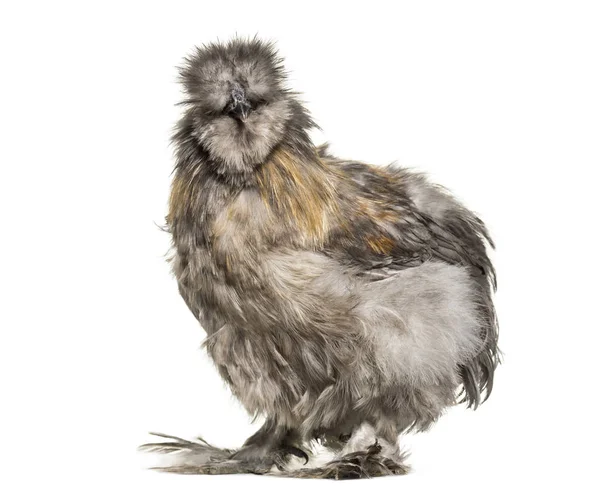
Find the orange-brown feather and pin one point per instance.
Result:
(300, 193)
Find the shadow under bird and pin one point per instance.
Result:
(344, 303)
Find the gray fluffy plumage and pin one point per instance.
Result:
(343, 302)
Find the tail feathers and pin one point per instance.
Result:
(478, 375)
(477, 379)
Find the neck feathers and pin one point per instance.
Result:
(300, 191)
(297, 187)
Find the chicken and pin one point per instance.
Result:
(344, 303)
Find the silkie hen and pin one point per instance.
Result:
(343, 302)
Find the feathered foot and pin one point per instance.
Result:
(368, 463)
(199, 457)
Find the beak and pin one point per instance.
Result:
(239, 107)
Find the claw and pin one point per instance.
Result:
(296, 452)
(280, 456)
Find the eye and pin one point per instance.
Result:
(257, 102)
(214, 112)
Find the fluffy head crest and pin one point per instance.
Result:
(213, 70)
(239, 108)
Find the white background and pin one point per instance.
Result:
(497, 100)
